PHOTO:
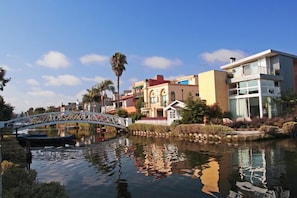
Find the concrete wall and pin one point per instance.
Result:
(287, 71)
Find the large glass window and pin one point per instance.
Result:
(270, 87)
(245, 107)
(244, 88)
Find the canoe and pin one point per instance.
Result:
(44, 140)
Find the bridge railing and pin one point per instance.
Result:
(67, 116)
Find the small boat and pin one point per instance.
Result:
(41, 140)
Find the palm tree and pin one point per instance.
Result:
(118, 61)
(103, 86)
(3, 80)
(92, 96)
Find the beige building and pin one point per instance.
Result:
(158, 93)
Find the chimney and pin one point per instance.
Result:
(232, 59)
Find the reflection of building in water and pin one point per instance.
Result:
(209, 174)
(210, 177)
(161, 161)
(158, 160)
(254, 166)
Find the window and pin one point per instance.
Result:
(164, 102)
(172, 96)
(172, 114)
(247, 70)
(153, 99)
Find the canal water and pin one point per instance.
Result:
(147, 167)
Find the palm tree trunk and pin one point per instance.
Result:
(118, 98)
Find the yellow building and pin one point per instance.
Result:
(213, 88)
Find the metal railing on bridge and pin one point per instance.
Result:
(51, 118)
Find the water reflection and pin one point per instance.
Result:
(147, 167)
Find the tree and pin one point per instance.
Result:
(39, 110)
(122, 113)
(6, 111)
(92, 96)
(139, 104)
(288, 100)
(194, 111)
(3, 80)
(118, 62)
(103, 86)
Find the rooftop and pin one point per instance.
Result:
(266, 53)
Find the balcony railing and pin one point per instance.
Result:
(242, 71)
(138, 94)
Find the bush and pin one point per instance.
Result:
(19, 182)
(187, 128)
(290, 128)
(15, 177)
(216, 130)
(271, 130)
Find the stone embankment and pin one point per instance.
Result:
(232, 136)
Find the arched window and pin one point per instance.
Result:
(153, 98)
(172, 96)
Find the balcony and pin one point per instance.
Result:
(138, 94)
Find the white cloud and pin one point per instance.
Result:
(68, 80)
(96, 79)
(41, 93)
(175, 77)
(53, 59)
(133, 80)
(93, 58)
(32, 81)
(222, 55)
(80, 94)
(161, 62)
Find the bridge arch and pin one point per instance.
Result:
(27, 122)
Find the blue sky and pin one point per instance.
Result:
(54, 50)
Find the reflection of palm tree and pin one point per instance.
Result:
(99, 159)
(122, 184)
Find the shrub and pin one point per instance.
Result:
(269, 129)
(290, 128)
(162, 128)
(187, 128)
(216, 130)
(19, 182)
(15, 176)
(135, 116)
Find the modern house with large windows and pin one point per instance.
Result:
(256, 81)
